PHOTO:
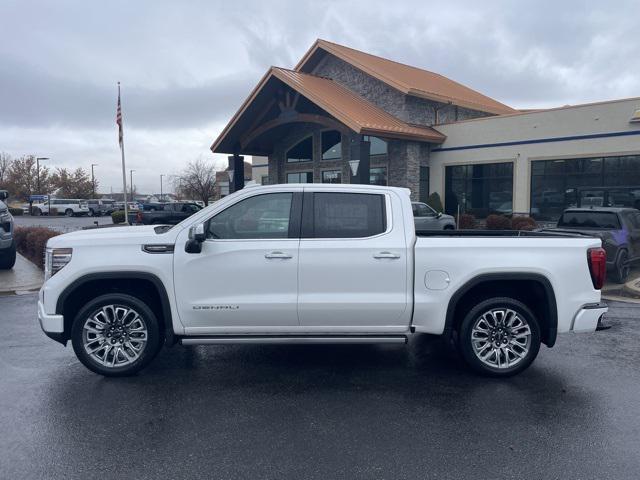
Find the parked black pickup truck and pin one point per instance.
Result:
(163, 213)
(619, 229)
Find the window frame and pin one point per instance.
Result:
(286, 153)
(332, 159)
(298, 173)
(295, 218)
(307, 228)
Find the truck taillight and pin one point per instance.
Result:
(597, 258)
(139, 217)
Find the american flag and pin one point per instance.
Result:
(119, 117)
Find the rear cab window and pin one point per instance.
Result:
(590, 220)
(343, 215)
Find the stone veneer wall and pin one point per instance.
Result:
(405, 107)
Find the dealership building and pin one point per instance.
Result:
(345, 116)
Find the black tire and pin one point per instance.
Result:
(8, 257)
(36, 212)
(621, 270)
(466, 331)
(68, 212)
(155, 338)
(92, 213)
(449, 227)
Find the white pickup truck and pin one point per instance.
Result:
(316, 264)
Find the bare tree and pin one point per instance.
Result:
(196, 181)
(5, 163)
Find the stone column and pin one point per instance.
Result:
(404, 165)
(236, 163)
(359, 150)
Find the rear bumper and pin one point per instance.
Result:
(586, 320)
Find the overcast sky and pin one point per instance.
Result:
(186, 66)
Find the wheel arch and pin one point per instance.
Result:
(508, 284)
(137, 284)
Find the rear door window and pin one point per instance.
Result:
(345, 215)
(590, 220)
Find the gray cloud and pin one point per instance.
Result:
(187, 66)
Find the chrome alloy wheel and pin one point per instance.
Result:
(114, 336)
(501, 338)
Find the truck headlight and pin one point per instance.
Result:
(55, 260)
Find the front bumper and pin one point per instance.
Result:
(586, 320)
(50, 323)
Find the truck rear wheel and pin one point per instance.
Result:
(116, 335)
(499, 337)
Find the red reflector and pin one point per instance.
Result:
(139, 217)
(597, 258)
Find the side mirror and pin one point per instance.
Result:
(196, 237)
(4, 194)
(197, 234)
(438, 215)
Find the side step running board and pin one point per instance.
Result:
(290, 339)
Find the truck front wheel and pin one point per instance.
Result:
(116, 335)
(499, 337)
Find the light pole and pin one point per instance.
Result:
(38, 160)
(131, 182)
(161, 175)
(93, 180)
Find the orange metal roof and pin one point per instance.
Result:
(346, 106)
(410, 80)
(351, 109)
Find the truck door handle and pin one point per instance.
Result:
(386, 255)
(277, 255)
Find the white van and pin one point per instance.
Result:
(64, 206)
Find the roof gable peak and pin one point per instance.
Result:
(407, 79)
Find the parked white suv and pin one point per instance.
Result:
(316, 264)
(64, 206)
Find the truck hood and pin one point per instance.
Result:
(110, 236)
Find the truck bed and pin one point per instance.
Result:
(499, 233)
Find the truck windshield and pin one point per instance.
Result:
(589, 220)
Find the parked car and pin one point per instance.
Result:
(99, 207)
(618, 228)
(426, 218)
(7, 242)
(316, 263)
(163, 213)
(131, 206)
(64, 206)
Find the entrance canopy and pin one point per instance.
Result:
(285, 97)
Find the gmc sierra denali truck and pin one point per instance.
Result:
(316, 264)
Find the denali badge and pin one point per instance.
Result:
(216, 307)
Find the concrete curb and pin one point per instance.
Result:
(25, 277)
(618, 298)
(632, 287)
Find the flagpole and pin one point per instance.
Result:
(124, 170)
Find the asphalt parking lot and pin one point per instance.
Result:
(319, 411)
